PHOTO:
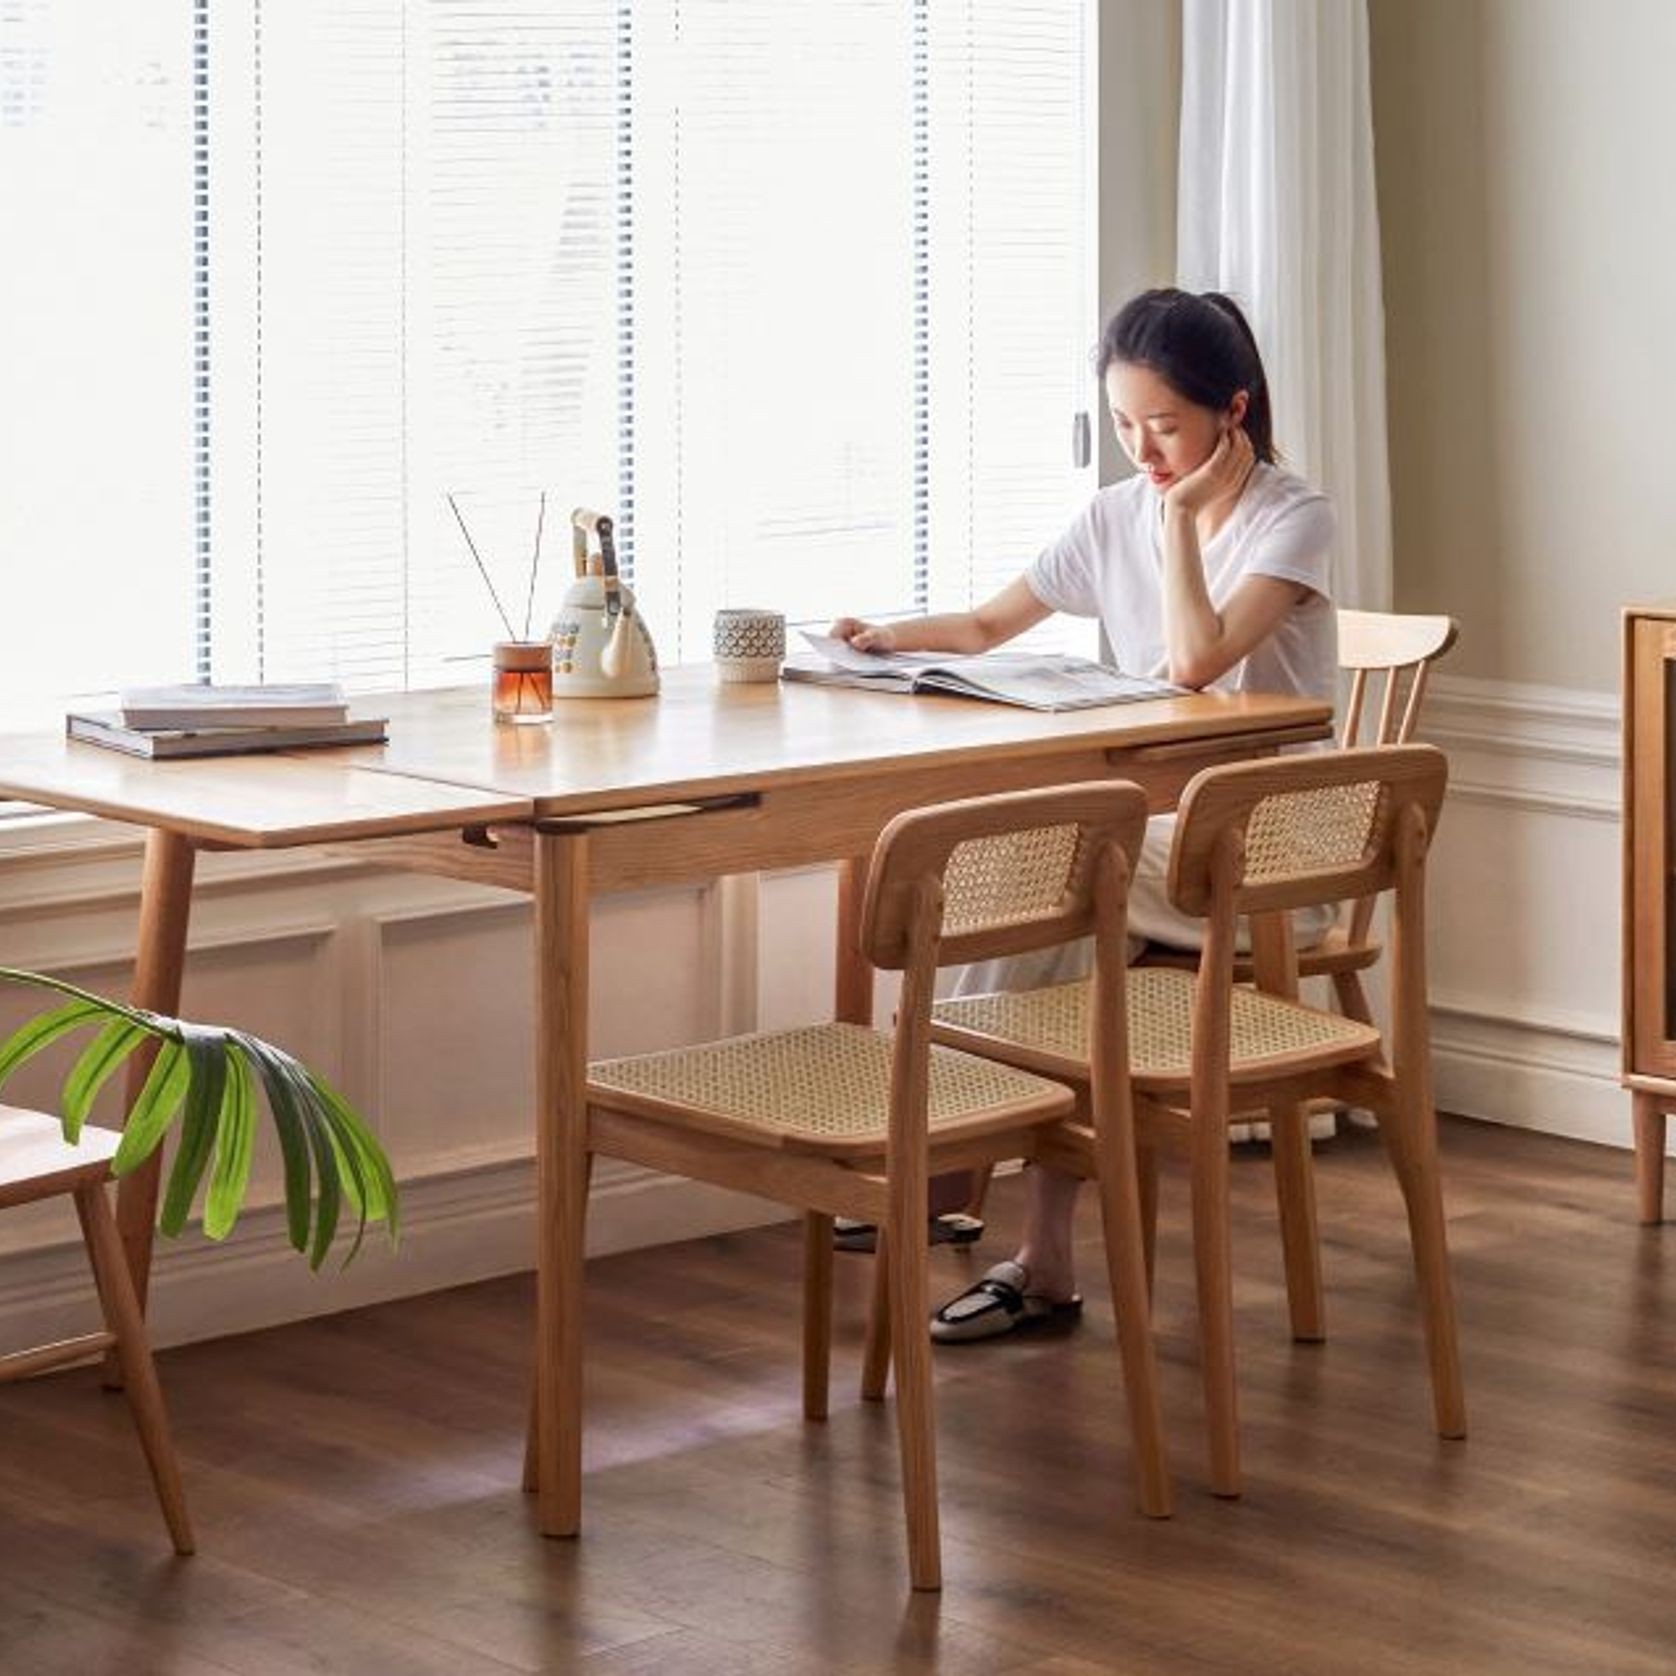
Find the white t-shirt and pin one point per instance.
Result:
(1110, 564)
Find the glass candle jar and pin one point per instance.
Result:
(521, 688)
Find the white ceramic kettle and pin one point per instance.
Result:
(601, 648)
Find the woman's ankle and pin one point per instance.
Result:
(1051, 1273)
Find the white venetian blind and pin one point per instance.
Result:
(800, 293)
(1009, 254)
(415, 272)
(770, 210)
(862, 303)
(96, 531)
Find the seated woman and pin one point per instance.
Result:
(1209, 567)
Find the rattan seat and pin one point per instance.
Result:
(822, 1087)
(1267, 1034)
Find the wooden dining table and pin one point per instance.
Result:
(704, 780)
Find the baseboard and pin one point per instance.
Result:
(1554, 1074)
(460, 1225)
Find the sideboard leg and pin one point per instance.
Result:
(1649, 1156)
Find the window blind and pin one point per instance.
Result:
(95, 324)
(771, 416)
(801, 294)
(1007, 149)
(416, 272)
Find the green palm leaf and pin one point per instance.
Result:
(165, 1088)
(208, 1059)
(42, 1032)
(100, 1059)
(293, 1144)
(210, 1077)
(234, 1140)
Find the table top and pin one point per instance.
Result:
(448, 765)
(700, 739)
(272, 801)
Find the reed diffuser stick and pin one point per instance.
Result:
(511, 633)
(535, 563)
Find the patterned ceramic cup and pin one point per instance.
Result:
(749, 645)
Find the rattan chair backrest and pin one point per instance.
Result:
(1014, 871)
(1311, 828)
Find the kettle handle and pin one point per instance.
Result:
(583, 522)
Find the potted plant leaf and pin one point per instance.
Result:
(211, 1076)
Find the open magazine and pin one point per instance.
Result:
(1037, 681)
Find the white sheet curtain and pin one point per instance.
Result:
(1276, 207)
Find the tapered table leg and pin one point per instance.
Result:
(561, 1033)
(160, 959)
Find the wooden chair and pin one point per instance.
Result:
(1388, 657)
(37, 1163)
(842, 1119)
(1262, 839)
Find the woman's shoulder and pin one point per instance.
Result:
(1278, 496)
(1280, 488)
(1129, 505)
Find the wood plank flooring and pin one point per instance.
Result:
(353, 1479)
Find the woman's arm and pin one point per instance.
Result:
(997, 620)
(1202, 642)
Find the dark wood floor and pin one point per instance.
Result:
(353, 1478)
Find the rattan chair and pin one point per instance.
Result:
(842, 1119)
(1263, 839)
(1388, 656)
(37, 1163)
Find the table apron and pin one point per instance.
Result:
(797, 824)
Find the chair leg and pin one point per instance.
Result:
(980, 1179)
(1146, 1181)
(1128, 1272)
(139, 1373)
(1294, 1180)
(915, 1422)
(1412, 1144)
(1213, 1262)
(1649, 1156)
(875, 1355)
(817, 1313)
(1352, 997)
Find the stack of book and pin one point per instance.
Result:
(206, 721)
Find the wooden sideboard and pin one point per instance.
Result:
(1649, 925)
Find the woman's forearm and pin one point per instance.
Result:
(950, 631)
(1193, 630)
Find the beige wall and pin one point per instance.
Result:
(1527, 186)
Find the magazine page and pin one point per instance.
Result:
(1042, 682)
(874, 665)
(1036, 681)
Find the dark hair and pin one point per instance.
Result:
(1201, 346)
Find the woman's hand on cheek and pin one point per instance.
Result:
(864, 637)
(1222, 475)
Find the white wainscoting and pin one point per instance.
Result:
(413, 995)
(1524, 949)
